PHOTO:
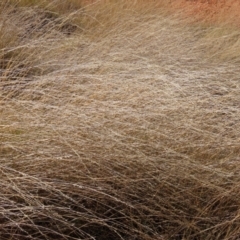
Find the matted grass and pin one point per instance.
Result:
(125, 127)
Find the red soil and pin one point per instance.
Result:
(212, 11)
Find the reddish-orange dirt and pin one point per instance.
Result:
(212, 11)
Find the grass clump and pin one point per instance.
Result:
(125, 128)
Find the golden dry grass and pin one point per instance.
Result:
(118, 121)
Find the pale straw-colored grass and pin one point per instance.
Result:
(126, 127)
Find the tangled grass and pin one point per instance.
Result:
(117, 124)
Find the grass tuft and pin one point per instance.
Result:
(119, 120)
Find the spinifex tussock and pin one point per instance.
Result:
(129, 131)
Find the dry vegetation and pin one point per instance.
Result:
(118, 121)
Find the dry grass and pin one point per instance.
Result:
(117, 124)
